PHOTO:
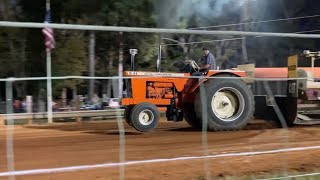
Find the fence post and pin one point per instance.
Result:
(2, 121)
(10, 129)
(64, 97)
(29, 107)
(77, 105)
(9, 102)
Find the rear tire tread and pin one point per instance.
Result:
(217, 125)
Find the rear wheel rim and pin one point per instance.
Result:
(227, 104)
(146, 117)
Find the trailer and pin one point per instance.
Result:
(297, 97)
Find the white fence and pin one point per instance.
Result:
(10, 117)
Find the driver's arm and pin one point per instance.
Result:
(205, 67)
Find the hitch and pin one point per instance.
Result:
(173, 113)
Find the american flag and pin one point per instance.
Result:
(48, 32)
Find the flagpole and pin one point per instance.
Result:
(49, 83)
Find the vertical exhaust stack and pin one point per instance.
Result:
(133, 53)
(159, 53)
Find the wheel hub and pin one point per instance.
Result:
(222, 105)
(146, 117)
(227, 104)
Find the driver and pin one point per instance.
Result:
(208, 61)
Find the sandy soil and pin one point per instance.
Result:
(63, 145)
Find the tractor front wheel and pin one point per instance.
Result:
(126, 114)
(145, 117)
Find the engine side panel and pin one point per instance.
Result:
(158, 89)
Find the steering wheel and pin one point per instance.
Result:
(193, 64)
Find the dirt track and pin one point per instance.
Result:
(64, 145)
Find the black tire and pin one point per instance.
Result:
(126, 114)
(289, 108)
(242, 95)
(150, 110)
(190, 117)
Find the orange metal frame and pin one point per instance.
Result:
(186, 86)
(281, 72)
(181, 81)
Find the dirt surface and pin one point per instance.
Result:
(65, 145)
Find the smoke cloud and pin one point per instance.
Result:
(169, 12)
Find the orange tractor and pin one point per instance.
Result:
(226, 98)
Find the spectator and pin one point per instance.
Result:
(54, 106)
(17, 106)
(96, 102)
(24, 105)
(105, 100)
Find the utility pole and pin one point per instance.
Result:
(110, 66)
(244, 18)
(49, 42)
(91, 63)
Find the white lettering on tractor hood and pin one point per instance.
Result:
(134, 73)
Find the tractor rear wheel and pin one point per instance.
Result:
(189, 114)
(230, 104)
(145, 117)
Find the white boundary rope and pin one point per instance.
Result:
(229, 39)
(137, 77)
(143, 30)
(295, 176)
(150, 30)
(151, 161)
(259, 22)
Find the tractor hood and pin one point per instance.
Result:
(154, 74)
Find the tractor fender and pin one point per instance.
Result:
(207, 78)
(192, 86)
